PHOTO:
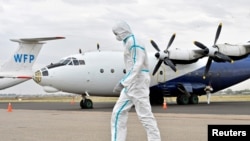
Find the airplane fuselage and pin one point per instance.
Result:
(102, 70)
(196, 70)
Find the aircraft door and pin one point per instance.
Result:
(161, 75)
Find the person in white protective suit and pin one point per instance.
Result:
(133, 88)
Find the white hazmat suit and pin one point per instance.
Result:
(134, 88)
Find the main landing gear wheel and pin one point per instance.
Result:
(193, 99)
(182, 99)
(86, 104)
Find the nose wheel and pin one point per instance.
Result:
(86, 103)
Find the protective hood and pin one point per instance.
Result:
(121, 30)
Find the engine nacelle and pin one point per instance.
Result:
(233, 50)
(184, 54)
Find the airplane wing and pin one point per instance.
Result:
(20, 77)
(36, 39)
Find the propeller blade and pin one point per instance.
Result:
(166, 60)
(223, 57)
(155, 45)
(218, 33)
(170, 42)
(209, 61)
(200, 45)
(157, 66)
(170, 64)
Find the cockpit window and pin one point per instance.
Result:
(65, 62)
(81, 62)
(45, 73)
(68, 61)
(76, 62)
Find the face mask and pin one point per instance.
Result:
(118, 38)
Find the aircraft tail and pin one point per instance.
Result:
(25, 56)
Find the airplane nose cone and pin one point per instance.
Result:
(37, 77)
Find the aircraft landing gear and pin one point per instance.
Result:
(86, 103)
(185, 99)
(182, 99)
(193, 99)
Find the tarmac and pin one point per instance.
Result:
(61, 121)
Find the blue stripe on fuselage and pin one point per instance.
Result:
(221, 76)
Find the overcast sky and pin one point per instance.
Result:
(85, 23)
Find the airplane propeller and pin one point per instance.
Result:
(163, 56)
(213, 52)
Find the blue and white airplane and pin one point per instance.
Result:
(18, 68)
(184, 76)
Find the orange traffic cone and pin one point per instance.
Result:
(164, 105)
(72, 101)
(9, 108)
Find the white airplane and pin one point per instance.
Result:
(96, 73)
(18, 68)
